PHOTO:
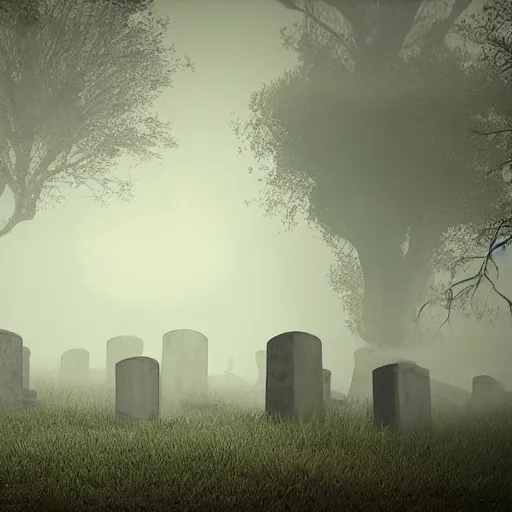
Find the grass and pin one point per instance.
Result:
(69, 455)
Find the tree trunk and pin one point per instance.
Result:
(393, 284)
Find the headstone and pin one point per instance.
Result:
(401, 396)
(184, 368)
(326, 386)
(294, 385)
(119, 348)
(74, 367)
(137, 389)
(11, 371)
(487, 393)
(261, 363)
(25, 357)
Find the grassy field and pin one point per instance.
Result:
(69, 455)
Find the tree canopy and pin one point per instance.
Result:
(369, 136)
(77, 85)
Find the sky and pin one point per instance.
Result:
(186, 252)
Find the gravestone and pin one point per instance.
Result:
(401, 396)
(25, 358)
(487, 393)
(11, 371)
(119, 348)
(261, 363)
(294, 383)
(74, 367)
(137, 389)
(326, 386)
(184, 368)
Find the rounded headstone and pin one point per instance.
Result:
(137, 389)
(119, 348)
(74, 366)
(294, 383)
(487, 393)
(184, 367)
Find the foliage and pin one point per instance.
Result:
(492, 32)
(76, 91)
(371, 151)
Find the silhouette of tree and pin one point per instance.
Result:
(492, 32)
(76, 86)
(368, 137)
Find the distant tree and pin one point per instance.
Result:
(369, 137)
(76, 86)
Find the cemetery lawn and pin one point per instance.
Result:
(73, 457)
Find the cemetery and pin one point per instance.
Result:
(140, 434)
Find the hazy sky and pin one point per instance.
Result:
(186, 252)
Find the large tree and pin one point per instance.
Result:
(491, 31)
(77, 82)
(369, 136)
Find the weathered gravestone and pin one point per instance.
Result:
(184, 376)
(326, 376)
(119, 348)
(401, 396)
(294, 384)
(487, 393)
(11, 371)
(137, 389)
(74, 367)
(25, 358)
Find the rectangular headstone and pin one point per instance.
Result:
(294, 384)
(487, 393)
(11, 371)
(401, 396)
(137, 389)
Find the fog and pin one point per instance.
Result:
(187, 252)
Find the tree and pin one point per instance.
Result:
(492, 32)
(76, 86)
(368, 137)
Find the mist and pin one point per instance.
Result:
(187, 252)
